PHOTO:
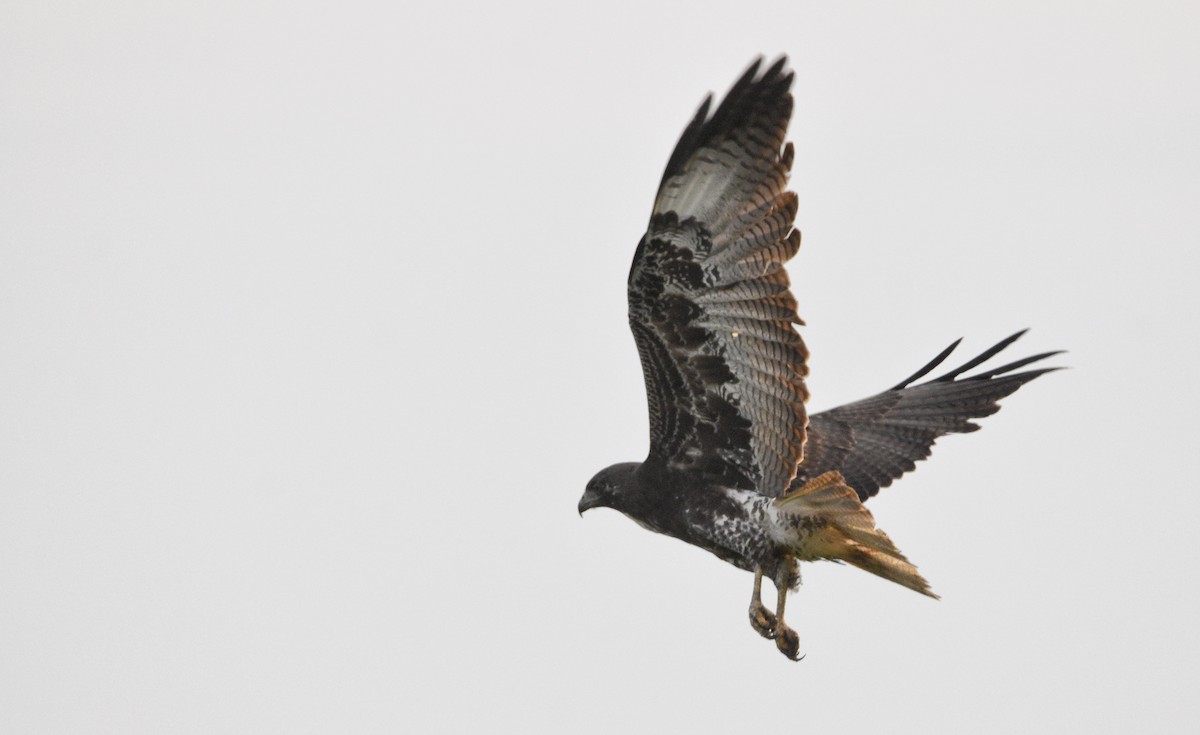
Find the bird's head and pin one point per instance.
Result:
(610, 488)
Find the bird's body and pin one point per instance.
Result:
(729, 522)
(736, 465)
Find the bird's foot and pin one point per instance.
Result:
(762, 620)
(788, 642)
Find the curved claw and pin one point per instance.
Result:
(788, 642)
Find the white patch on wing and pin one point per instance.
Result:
(701, 188)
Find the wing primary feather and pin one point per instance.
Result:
(928, 366)
(1016, 364)
(987, 354)
(701, 126)
(876, 440)
(689, 140)
(709, 299)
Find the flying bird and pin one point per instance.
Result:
(736, 466)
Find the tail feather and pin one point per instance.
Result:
(844, 530)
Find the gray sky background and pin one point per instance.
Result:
(313, 327)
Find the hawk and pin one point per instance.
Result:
(736, 466)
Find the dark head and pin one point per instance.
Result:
(610, 488)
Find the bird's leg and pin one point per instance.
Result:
(786, 639)
(761, 618)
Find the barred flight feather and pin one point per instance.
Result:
(873, 442)
(708, 284)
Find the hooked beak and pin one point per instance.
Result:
(588, 501)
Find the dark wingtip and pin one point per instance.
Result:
(928, 366)
(1005, 370)
(689, 138)
(751, 71)
(984, 357)
(777, 66)
(1029, 375)
(1008, 368)
(749, 91)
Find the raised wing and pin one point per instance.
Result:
(709, 303)
(876, 440)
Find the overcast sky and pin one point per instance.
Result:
(313, 328)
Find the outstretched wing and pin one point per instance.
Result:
(709, 303)
(874, 441)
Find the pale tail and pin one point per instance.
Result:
(845, 531)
